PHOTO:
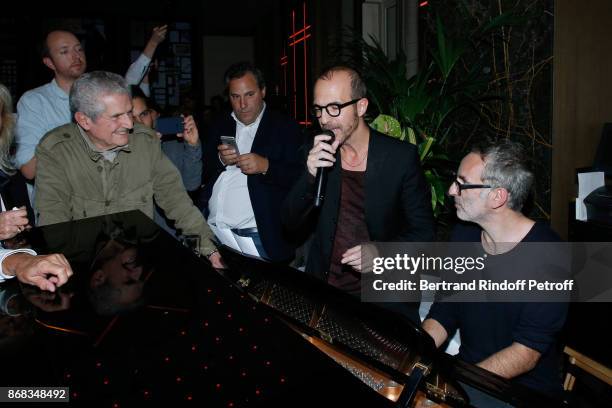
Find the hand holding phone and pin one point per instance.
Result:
(231, 142)
(228, 150)
(169, 126)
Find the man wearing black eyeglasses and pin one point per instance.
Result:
(375, 189)
(514, 340)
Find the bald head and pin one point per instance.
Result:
(63, 54)
(358, 87)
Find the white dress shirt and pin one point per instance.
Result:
(230, 204)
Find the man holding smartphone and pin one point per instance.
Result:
(184, 150)
(180, 142)
(247, 180)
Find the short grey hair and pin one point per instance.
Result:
(507, 166)
(86, 93)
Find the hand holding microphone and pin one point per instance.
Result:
(320, 157)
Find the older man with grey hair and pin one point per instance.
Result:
(104, 164)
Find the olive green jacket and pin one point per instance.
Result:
(74, 182)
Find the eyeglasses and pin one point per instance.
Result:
(467, 186)
(332, 109)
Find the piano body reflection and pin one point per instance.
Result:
(144, 321)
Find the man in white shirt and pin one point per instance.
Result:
(245, 188)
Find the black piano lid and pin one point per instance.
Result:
(192, 338)
(167, 328)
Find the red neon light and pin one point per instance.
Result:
(300, 31)
(294, 72)
(294, 38)
(423, 3)
(299, 40)
(305, 70)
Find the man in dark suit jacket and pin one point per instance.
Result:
(375, 191)
(244, 190)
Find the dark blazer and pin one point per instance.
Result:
(279, 139)
(14, 193)
(397, 203)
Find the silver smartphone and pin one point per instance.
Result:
(230, 141)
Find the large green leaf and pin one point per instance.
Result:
(448, 51)
(425, 148)
(428, 108)
(387, 125)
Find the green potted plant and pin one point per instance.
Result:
(425, 108)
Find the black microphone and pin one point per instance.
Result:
(321, 178)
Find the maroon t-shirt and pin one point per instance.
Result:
(351, 230)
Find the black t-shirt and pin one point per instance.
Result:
(351, 230)
(488, 327)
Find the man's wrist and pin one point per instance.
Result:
(211, 253)
(10, 260)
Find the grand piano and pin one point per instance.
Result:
(146, 322)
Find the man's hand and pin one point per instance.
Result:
(191, 134)
(360, 257)
(321, 154)
(252, 163)
(216, 261)
(352, 258)
(12, 222)
(435, 330)
(227, 154)
(157, 36)
(47, 272)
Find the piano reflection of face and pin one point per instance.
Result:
(119, 272)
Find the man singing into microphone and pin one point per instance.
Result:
(375, 188)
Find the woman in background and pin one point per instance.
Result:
(17, 214)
